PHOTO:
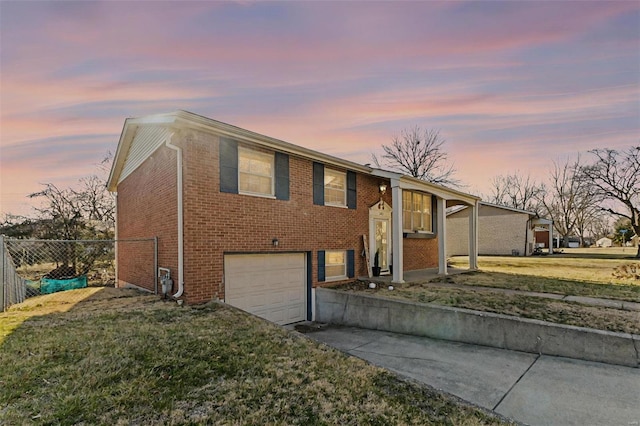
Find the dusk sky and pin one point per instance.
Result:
(512, 86)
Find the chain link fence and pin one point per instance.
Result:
(33, 267)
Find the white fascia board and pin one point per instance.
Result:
(188, 120)
(126, 137)
(513, 209)
(542, 221)
(455, 209)
(414, 184)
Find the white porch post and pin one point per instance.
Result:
(551, 238)
(396, 232)
(473, 237)
(442, 235)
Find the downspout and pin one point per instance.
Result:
(180, 218)
(526, 236)
(116, 243)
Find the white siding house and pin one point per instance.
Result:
(502, 230)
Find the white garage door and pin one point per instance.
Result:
(271, 286)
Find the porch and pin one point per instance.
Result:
(419, 275)
(388, 230)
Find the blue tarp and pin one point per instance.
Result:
(49, 285)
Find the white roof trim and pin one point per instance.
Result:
(513, 209)
(534, 220)
(188, 120)
(411, 183)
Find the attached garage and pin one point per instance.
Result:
(271, 286)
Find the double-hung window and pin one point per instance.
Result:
(416, 211)
(255, 172)
(335, 188)
(336, 264)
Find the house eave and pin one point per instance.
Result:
(513, 209)
(191, 120)
(179, 120)
(411, 183)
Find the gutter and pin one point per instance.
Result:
(180, 217)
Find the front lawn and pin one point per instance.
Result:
(577, 272)
(115, 357)
(558, 311)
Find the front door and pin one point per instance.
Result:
(382, 227)
(380, 235)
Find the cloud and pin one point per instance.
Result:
(505, 82)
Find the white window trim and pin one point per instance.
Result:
(272, 195)
(344, 176)
(328, 278)
(411, 228)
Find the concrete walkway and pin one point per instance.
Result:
(529, 388)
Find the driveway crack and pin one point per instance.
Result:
(364, 351)
(516, 382)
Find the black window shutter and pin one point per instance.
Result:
(321, 266)
(282, 176)
(351, 263)
(352, 196)
(434, 216)
(318, 184)
(228, 165)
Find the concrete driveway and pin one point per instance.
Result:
(533, 389)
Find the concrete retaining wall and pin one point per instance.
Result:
(480, 328)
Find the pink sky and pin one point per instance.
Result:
(512, 86)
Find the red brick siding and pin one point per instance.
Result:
(217, 223)
(420, 253)
(147, 207)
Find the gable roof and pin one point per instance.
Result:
(456, 209)
(412, 183)
(187, 120)
(178, 120)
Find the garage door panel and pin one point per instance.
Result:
(272, 286)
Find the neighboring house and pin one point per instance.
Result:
(570, 242)
(501, 231)
(635, 240)
(259, 223)
(604, 242)
(541, 237)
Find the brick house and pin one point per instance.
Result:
(501, 231)
(258, 222)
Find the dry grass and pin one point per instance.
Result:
(577, 272)
(115, 357)
(558, 311)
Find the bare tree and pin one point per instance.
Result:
(561, 197)
(95, 201)
(616, 177)
(419, 154)
(516, 190)
(61, 211)
(588, 213)
(600, 226)
(85, 212)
